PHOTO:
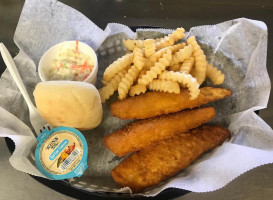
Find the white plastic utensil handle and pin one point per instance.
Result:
(15, 74)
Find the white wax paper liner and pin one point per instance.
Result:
(242, 41)
(24, 141)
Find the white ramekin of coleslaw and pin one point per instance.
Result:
(70, 60)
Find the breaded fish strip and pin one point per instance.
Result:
(143, 133)
(153, 104)
(158, 162)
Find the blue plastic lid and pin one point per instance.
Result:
(61, 153)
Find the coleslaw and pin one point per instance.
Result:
(70, 64)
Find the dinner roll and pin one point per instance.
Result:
(69, 103)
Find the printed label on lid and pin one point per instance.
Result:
(61, 152)
(58, 149)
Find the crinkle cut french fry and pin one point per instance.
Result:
(182, 55)
(154, 58)
(164, 86)
(117, 66)
(137, 90)
(178, 34)
(187, 65)
(138, 58)
(131, 44)
(149, 47)
(200, 60)
(215, 75)
(177, 47)
(127, 82)
(108, 90)
(156, 69)
(160, 43)
(104, 82)
(175, 67)
(143, 72)
(166, 41)
(185, 79)
(148, 63)
(170, 39)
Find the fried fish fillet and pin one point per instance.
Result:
(153, 104)
(143, 133)
(156, 163)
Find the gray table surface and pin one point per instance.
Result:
(256, 184)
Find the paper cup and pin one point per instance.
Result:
(52, 53)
